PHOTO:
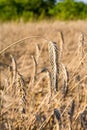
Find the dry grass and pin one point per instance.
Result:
(27, 77)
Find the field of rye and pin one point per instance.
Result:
(43, 75)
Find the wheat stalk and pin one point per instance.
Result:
(21, 42)
(49, 79)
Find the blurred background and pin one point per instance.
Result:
(33, 10)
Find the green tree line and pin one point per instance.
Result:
(29, 10)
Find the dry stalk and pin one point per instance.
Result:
(38, 81)
(76, 84)
(21, 42)
(49, 79)
(39, 107)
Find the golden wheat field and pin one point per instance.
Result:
(43, 75)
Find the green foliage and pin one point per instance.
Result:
(69, 10)
(30, 10)
(28, 16)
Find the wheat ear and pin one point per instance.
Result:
(34, 69)
(17, 77)
(37, 52)
(14, 68)
(81, 46)
(83, 118)
(65, 79)
(58, 119)
(22, 93)
(61, 41)
(71, 113)
(53, 57)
